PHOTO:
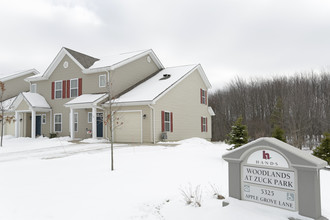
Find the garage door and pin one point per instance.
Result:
(128, 127)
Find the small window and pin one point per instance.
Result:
(58, 89)
(74, 87)
(75, 121)
(167, 121)
(33, 88)
(58, 122)
(90, 117)
(203, 96)
(102, 80)
(43, 118)
(204, 124)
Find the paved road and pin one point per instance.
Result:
(54, 152)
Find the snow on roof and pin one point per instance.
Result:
(114, 59)
(35, 100)
(156, 85)
(86, 99)
(6, 77)
(6, 104)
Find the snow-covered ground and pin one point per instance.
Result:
(147, 183)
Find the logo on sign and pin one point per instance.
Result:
(265, 155)
(267, 158)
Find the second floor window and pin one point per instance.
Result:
(33, 88)
(58, 89)
(74, 87)
(102, 80)
(203, 96)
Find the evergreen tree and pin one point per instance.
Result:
(323, 150)
(238, 134)
(276, 121)
(278, 133)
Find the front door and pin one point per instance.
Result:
(38, 125)
(99, 125)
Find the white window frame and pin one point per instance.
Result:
(90, 117)
(75, 123)
(105, 80)
(168, 123)
(71, 88)
(33, 88)
(43, 119)
(60, 114)
(203, 96)
(55, 90)
(204, 124)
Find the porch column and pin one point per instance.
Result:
(94, 135)
(71, 124)
(16, 124)
(33, 124)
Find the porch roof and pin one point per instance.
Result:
(86, 100)
(35, 101)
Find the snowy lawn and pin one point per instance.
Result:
(147, 184)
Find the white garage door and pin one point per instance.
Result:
(128, 127)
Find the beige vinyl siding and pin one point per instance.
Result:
(23, 106)
(147, 129)
(15, 86)
(184, 102)
(123, 78)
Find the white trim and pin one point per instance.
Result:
(61, 82)
(42, 119)
(57, 123)
(35, 87)
(77, 88)
(89, 113)
(74, 115)
(105, 80)
(19, 74)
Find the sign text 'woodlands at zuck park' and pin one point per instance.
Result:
(271, 172)
(267, 179)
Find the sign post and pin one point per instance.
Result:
(271, 172)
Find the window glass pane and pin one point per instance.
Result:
(74, 83)
(58, 119)
(57, 127)
(90, 117)
(74, 92)
(58, 85)
(33, 88)
(102, 80)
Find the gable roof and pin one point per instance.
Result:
(6, 77)
(85, 60)
(34, 100)
(86, 100)
(115, 61)
(89, 64)
(297, 157)
(152, 89)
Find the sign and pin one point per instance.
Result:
(269, 177)
(267, 158)
(269, 196)
(271, 172)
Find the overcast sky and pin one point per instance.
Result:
(230, 38)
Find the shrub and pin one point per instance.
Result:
(323, 150)
(192, 197)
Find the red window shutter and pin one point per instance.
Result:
(53, 90)
(80, 87)
(201, 96)
(163, 121)
(171, 121)
(201, 124)
(206, 124)
(68, 88)
(64, 89)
